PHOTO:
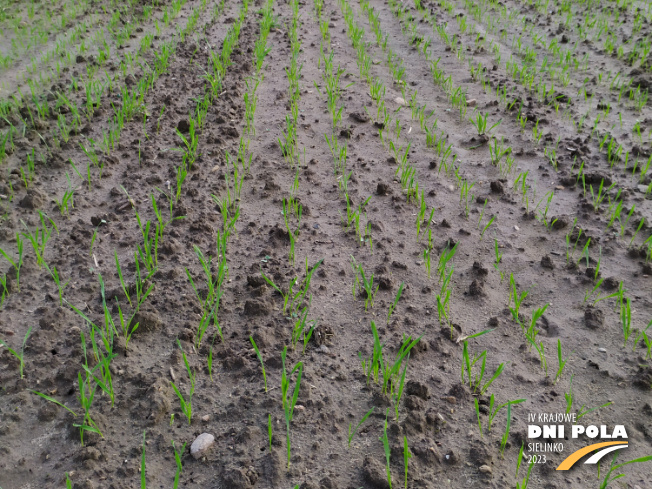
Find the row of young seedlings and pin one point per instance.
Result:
(296, 302)
(292, 209)
(405, 171)
(388, 374)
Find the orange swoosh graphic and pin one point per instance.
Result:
(575, 456)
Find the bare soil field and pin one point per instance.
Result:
(325, 244)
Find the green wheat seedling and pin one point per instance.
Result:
(598, 197)
(446, 256)
(67, 201)
(443, 300)
(531, 333)
(387, 450)
(5, 290)
(480, 123)
(205, 321)
(16, 263)
(397, 393)
(489, 223)
(524, 187)
(493, 412)
(126, 326)
(40, 237)
(477, 415)
(427, 253)
(87, 389)
(292, 299)
(484, 206)
(289, 404)
(503, 440)
(407, 455)
(640, 226)
(353, 431)
(543, 216)
(393, 380)
(139, 287)
(465, 197)
(421, 214)
(162, 223)
(292, 205)
(57, 280)
(498, 259)
(210, 304)
(54, 401)
(20, 356)
(212, 283)
(269, 431)
(608, 479)
(367, 284)
(186, 403)
(103, 362)
(393, 305)
(475, 382)
(643, 337)
(526, 480)
(260, 358)
(371, 366)
(300, 331)
(570, 250)
(618, 295)
(177, 458)
(626, 317)
(518, 299)
(561, 362)
(583, 410)
(251, 100)
(497, 151)
(288, 297)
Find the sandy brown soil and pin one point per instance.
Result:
(39, 443)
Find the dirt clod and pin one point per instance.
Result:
(374, 474)
(256, 307)
(593, 318)
(546, 262)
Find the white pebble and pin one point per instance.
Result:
(201, 445)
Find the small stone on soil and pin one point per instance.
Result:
(201, 445)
